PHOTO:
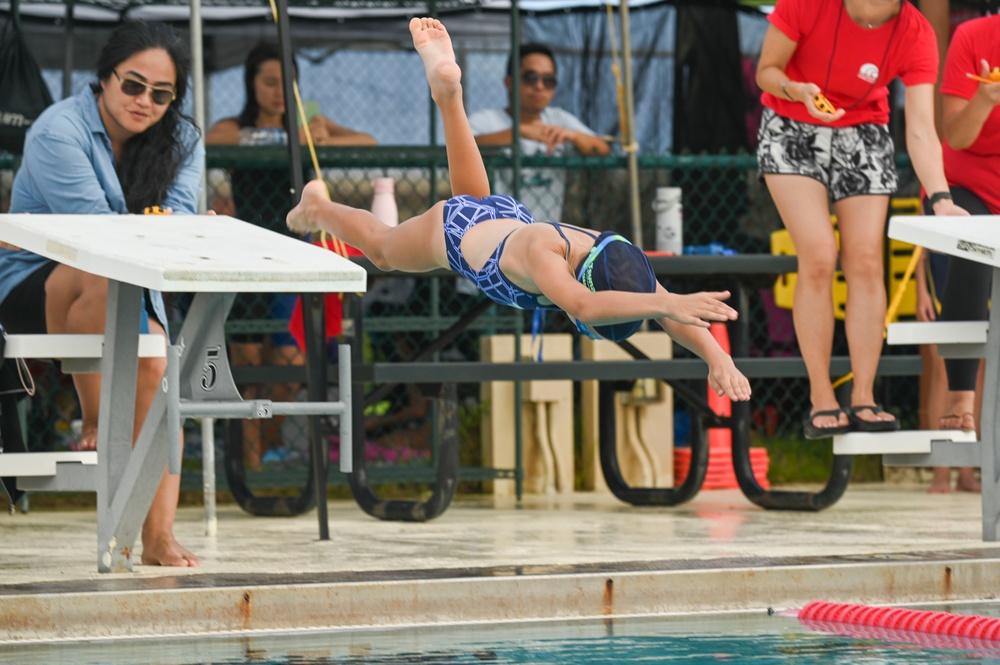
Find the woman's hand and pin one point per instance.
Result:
(806, 92)
(989, 92)
(925, 304)
(699, 309)
(947, 207)
(317, 131)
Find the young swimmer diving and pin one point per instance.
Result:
(602, 281)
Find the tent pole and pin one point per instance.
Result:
(628, 132)
(67, 79)
(313, 304)
(198, 88)
(515, 98)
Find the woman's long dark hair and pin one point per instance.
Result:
(257, 56)
(149, 161)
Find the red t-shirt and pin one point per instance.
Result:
(976, 168)
(863, 61)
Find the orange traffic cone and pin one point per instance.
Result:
(721, 474)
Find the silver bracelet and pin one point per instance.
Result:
(785, 92)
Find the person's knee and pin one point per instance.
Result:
(863, 267)
(379, 258)
(76, 298)
(150, 374)
(818, 269)
(77, 283)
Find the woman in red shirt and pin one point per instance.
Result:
(811, 152)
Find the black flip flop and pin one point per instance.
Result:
(813, 432)
(861, 425)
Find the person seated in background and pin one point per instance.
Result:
(544, 130)
(264, 107)
(263, 197)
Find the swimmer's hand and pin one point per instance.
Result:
(699, 309)
(726, 380)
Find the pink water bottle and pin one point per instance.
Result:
(384, 201)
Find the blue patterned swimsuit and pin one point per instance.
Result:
(461, 213)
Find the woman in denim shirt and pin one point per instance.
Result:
(122, 145)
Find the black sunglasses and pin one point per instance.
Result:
(134, 88)
(530, 77)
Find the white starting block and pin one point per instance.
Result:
(976, 238)
(214, 257)
(954, 339)
(946, 447)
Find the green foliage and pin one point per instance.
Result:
(794, 459)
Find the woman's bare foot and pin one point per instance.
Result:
(941, 482)
(164, 550)
(302, 218)
(960, 407)
(963, 421)
(967, 481)
(433, 43)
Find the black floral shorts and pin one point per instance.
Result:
(849, 161)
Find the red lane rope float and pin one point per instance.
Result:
(827, 616)
(928, 640)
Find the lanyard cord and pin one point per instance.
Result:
(885, 56)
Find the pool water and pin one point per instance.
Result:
(691, 640)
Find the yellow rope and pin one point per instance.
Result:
(338, 245)
(890, 312)
(619, 86)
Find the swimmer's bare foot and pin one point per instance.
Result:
(433, 43)
(164, 550)
(302, 218)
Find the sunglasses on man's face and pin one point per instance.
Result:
(530, 77)
(134, 88)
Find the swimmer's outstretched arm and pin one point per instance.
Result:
(544, 266)
(723, 377)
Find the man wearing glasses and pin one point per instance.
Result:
(545, 130)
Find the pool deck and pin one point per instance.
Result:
(490, 560)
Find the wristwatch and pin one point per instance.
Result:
(938, 196)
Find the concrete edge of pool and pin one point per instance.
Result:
(493, 595)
